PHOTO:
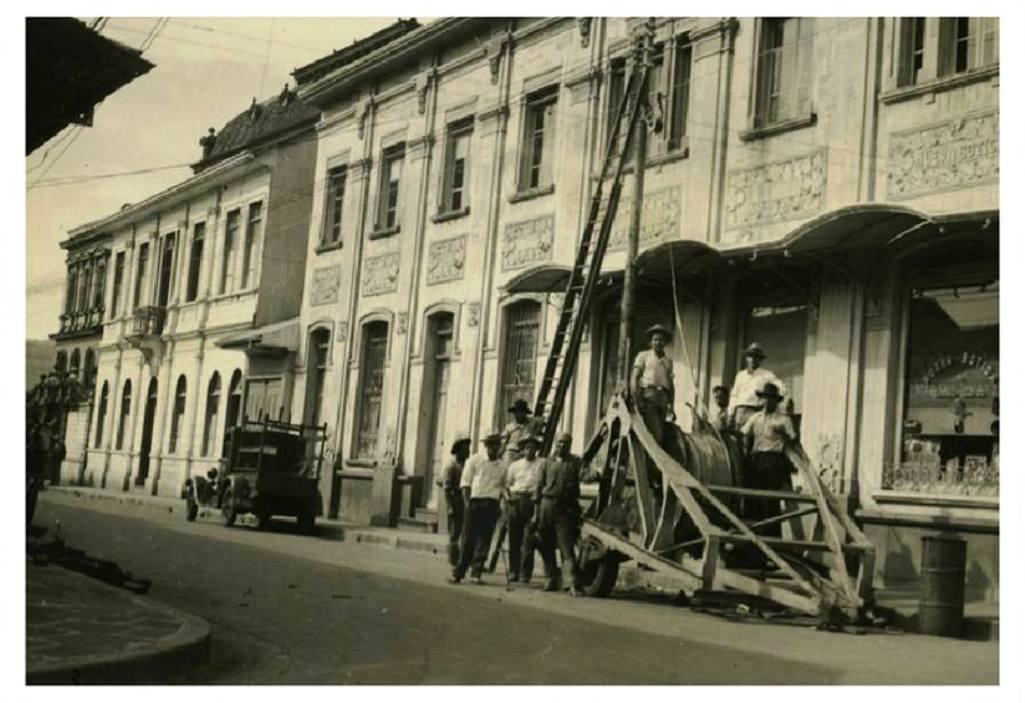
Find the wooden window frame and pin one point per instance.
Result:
(195, 261)
(210, 413)
(142, 263)
(177, 413)
(363, 397)
(232, 221)
(124, 413)
(251, 247)
(334, 205)
(462, 129)
(771, 66)
(537, 147)
(389, 191)
(101, 415)
(118, 283)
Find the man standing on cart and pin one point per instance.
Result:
(767, 433)
(744, 400)
(651, 383)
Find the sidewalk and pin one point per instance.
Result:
(981, 619)
(82, 631)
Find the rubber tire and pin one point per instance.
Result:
(229, 511)
(598, 577)
(191, 509)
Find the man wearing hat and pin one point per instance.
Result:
(482, 484)
(749, 380)
(558, 498)
(767, 432)
(450, 478)
(651, 382)
(521, 480)
(522, 425)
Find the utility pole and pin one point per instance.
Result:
(643, 51)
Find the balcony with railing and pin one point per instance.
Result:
(146, 322)
(80, 323)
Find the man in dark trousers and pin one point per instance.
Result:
(449, 482)
(651, 383)
(558, 521)
(482, 484)
(522, 425)
(767, 433)
(521, 479)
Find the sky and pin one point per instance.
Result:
(206, 71)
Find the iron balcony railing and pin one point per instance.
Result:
(146, 322)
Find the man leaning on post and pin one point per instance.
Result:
(482, 484)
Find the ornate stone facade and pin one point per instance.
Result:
(381, 274)
(324, 286)
(775, 192)
(660, 218)
(446, 259)
(527, 242)
(473, 314)
(401, 322)
(342, 332)
(952, 154)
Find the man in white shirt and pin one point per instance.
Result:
(768, 432)
(482, 483)
(522, 478)
(651, 382)
(744, 400)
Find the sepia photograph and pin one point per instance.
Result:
(513, 350)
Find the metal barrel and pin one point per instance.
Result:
(941, 598)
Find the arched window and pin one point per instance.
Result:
(213, 402)
(126, 410)
(89, 368)
(76, 362)
(101, 414)
(231, 418)
(316, 370)
(371, 388)
(519, 359)
(61, 364)
(177, 415)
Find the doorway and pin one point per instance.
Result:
(437, 377)
(148, 416)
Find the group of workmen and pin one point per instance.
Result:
(536, 498)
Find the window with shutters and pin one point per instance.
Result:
(316, 373)
(538, 144)
(521, 339)
(177, 415)
(213, 403)
(371, 389)
(119, 276)
(335, 200)
(784, 70)
(140, 274)
(101, 414)
(232, 416)
(195, 261)
(931, 49)
(251, 250)
(230, 249)
(126, 411)
(457, 154)
(389, 189)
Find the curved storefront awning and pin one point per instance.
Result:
(660, 262)
(275, 338)
(546, 278)
(862, 226)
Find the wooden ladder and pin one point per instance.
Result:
(576, 302)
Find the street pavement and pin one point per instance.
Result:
(286, 608)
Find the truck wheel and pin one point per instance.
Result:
(598, 577)
(191, 509)
(229, 511)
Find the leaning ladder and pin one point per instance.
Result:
(576, 302)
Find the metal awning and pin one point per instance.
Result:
(860, 226)
(682, 256)
(275, 338)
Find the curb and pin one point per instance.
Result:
(190, 645)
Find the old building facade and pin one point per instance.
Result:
(826, 187)
(204, 277)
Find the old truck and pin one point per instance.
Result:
(267, 468)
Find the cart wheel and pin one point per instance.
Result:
(307, 523)
(598, 577)
(191, 509)
(229, 511)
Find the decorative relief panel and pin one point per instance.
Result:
(527, 242)
(776, 192)
(954, 154)
(660, 219)
(401, 321)
(381, 274)
(342, 331)
(473, 314)
(324, 286)
(445, 260)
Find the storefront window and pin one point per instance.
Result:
(950, 425)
